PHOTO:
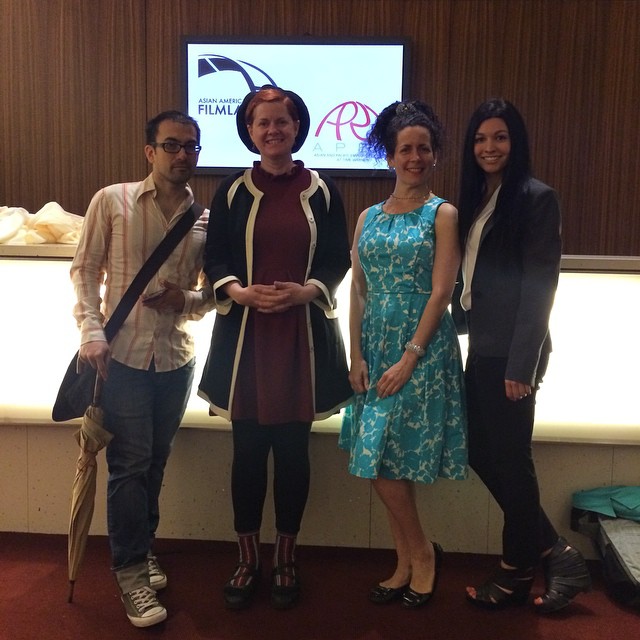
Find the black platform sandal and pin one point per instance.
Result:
(566, 575)
(285, 596)
(506, 588)
(241, 597)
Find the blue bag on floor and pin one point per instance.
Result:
(610, 516)
(614, 502)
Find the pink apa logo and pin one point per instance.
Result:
(355, 115)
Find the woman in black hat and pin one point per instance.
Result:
(276, 251)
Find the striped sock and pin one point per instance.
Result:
(248, 546)
(284, 553)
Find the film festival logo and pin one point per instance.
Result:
(355, 116)
(349, 120)
(253, 78)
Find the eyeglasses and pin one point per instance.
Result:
(174, 147)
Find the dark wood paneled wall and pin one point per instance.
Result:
(79, 78)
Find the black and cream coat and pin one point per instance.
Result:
(229, 257)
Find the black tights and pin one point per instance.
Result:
(252, 443)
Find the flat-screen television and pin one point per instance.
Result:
(345, 83)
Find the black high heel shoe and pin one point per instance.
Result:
(240, 597)
(505, 588)
(384, 595)
(566, 575)
(412, 599)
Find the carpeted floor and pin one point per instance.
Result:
(34, 588)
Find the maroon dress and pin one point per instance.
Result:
(273, 385)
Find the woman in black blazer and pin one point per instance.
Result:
(510, 233)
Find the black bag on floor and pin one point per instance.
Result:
(616, 539)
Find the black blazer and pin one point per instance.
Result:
(513, 290)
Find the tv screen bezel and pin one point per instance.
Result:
(373, 172)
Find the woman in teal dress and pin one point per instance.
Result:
(407, 422)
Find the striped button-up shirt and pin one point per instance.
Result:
(122, 227)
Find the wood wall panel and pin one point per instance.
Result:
(72, 94)
(79, 78)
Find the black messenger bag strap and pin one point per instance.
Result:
(149, 268)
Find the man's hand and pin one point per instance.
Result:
(171, 300)
(97, 355)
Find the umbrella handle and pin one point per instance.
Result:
(72, 584)
(97, 390)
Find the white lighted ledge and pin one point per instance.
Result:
(589, 394)
(601, 264)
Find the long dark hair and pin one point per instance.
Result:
(515, 176)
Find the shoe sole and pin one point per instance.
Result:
(159, 584)
(498, 606)
(282, 605)
(237, 606)
(149, 621)
(238, 602)
(542, 609)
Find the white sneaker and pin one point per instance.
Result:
(157, 577)
(143, 608)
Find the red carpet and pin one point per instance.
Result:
(34, 587)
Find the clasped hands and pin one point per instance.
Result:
(273, 298)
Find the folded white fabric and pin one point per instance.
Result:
(51, 224)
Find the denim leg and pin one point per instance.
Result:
(171, 395)
(143, 410)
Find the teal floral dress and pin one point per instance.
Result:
(419, 433)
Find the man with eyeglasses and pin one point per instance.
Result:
(148, 367)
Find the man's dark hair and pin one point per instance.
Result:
(151, 130)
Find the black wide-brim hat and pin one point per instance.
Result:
(303, 115)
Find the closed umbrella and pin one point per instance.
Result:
(92, 437)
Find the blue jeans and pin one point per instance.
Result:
(143, 410)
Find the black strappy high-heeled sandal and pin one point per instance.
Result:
(505, 588)
(566, 575)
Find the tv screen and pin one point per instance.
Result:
(344, 83)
